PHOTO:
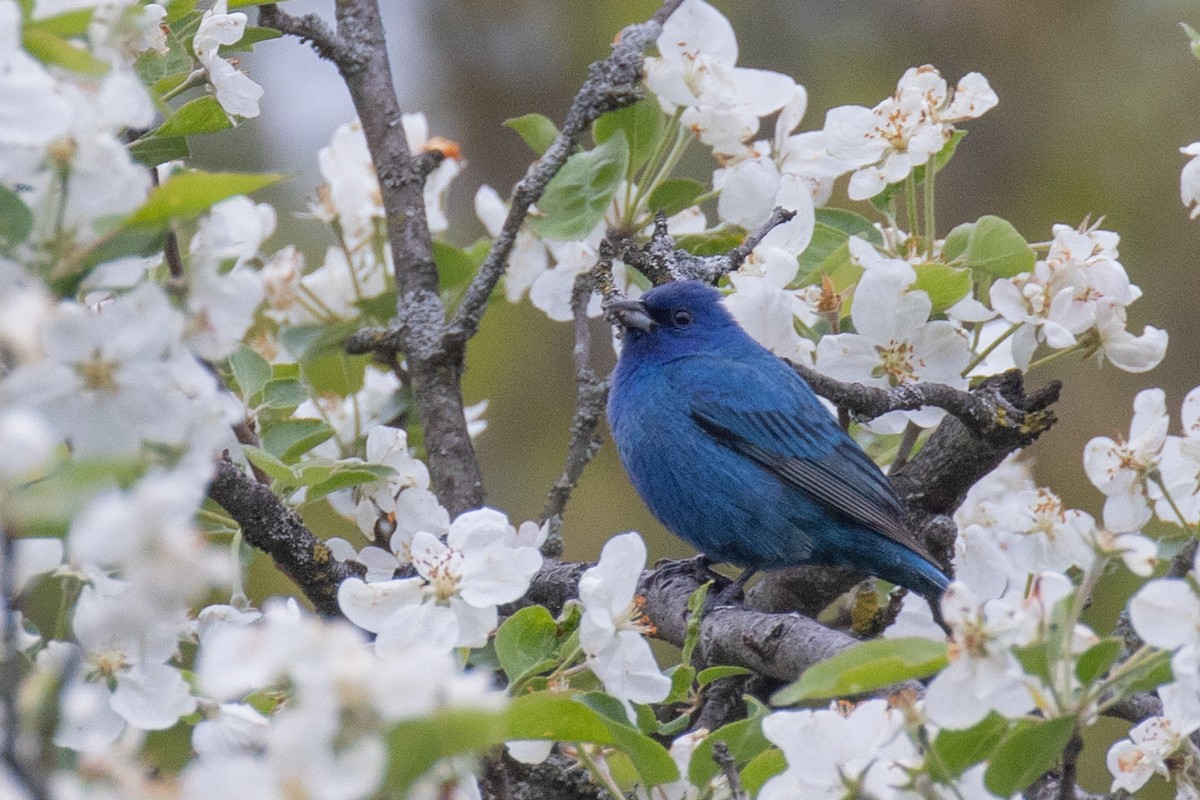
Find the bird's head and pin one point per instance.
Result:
(675, 319)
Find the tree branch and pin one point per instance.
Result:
(278, 531)
(434, 369)
(611, 84)
(591, 393)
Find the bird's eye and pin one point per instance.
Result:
(682, 318)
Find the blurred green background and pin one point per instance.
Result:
(1095, 100)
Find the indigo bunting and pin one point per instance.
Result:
(733, 453)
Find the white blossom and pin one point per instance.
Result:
(236, 93)
(829, 751)
(610, 632)
(1122, 469)
(895, 343)
(696, 70)
(1189, 179)
(452, 601)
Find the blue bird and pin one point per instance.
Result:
(733, 453)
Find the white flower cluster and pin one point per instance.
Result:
(1166, 614)
(883, 144)
(359, 267)
(1079, 289)
(1150, 472)
(326, 737)
(71, 165)
(856, 751)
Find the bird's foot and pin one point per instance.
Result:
(729, 592)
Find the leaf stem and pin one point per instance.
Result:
(930, 226)
(987, 351)
(910, 201)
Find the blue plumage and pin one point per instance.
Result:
(732, 451)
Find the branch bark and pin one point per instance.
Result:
(279, 532)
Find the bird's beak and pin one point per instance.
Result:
(630, 314)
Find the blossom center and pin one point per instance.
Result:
(896, 363)
(98, 373)
(108, 663)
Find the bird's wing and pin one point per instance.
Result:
(785, 430)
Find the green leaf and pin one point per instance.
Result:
(577, 197)
(250, 370)
(762, 768)
(996, 248)
(695, 607)
(955, 243)
(252, 35)
(526, 639)
(51, 49)
(840, 269)
(283, 393)
(642, 124)
(67, 24)
(202, 115)
(153, 67)
(945, 285)
(1096, 660)
(955, 751)
(46, 506)
(832, 229)
(884, 199)
(682, 677)
(536, 129)
(744, 739)
(674, 195)
(291, 438)
(865, 667)
(189, 194)
(16, 220)
(455, 266)
(558, 717)
(714, 243)
(1031, 748)
(711, 674)
(268, 463)
(416, 745)
(150, 151)
(1152, 676)
(343, 474)
(1034, 659)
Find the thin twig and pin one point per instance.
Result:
(661, 262)
(1070, 757)
(591, 392)
(611, 84)
(725, 760)
(312, 29)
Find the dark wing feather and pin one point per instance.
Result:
(815, 456)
